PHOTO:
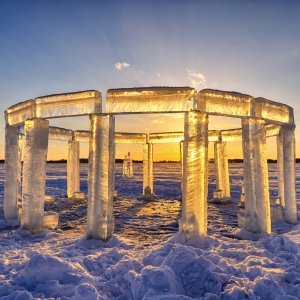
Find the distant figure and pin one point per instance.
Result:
(128, 166)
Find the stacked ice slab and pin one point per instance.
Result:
(55, 106)
(261, 118)
(150, 100)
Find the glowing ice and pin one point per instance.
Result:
(194, 195)
(148, 169)
(290, 203)
(154, 99)
(34, 174)
(73, 169)
(100, 195)
(128, 166)
(261, 118)
(222, 171)
(53, 106)
(257, 198)
(13, 146)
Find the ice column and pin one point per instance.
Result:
(195, 172)
(128, 166)
(257, 199)
(12, 175)
(222, 171)
(34, 174)
(20, 153)
(101, 162)
(280, 173)
(288, 142)
(113, 185)
(148, 167)
(181, 162)
(73, 168)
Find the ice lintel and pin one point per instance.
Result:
(60, 134)
(166, 137)
(273, 111)
(240, 105)
(130, 138)
(150, 100)
(120, 137)
(55, 106)
(224, 103)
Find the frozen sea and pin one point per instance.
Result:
(145, 259)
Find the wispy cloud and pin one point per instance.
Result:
(121, 65)
(196, 79)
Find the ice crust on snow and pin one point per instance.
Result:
(223, 269)
(217, 267)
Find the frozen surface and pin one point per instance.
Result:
(141, 261)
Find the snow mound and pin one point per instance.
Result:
(51, 275)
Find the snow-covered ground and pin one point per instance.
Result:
(145, 259)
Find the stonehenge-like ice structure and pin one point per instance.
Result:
(28, 131)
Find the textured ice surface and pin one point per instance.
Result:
(34, 174)
(225, 103)
(13, 153)
(272, 111)
(60, 105)
(222, 170)
(194, 192)
(241, 105)
(166, 137)
(289, 156)
(100, 194)
(257, 198)
(130, 138)
(128, 166)
(73, 172)
(148, 167)
(61, 134)
(154, 99)
(120, 137)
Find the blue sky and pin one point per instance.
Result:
(60, 46)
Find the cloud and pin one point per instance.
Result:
(122, 65)
(197, 79)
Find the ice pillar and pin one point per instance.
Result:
(257, 199)
(280, 173)
(73, 168)
(148, 167)
(20, 153)
(181, 162)
(34, 174)
(195, 176)
(222, 171)
(128, 166)
(12, 188)
(290, 203)
(101, 162)
(114, 191)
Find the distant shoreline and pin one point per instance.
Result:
(119, 160)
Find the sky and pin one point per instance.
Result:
(59, 46)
